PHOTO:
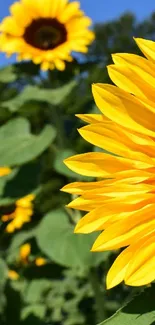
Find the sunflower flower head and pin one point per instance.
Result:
(121, 205)
(45, 32)
(22, 213)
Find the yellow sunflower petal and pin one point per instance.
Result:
(80, 187)
(141, 270)
(21, 16)
(114, 141)
(139, 65)
(93, 220)
(127, 80)
(117, 272)
(134, 224)
(90, 118)
(103, 216)
(85, 204)
(124, 109)
(98, 164)
(10, 27)
(120, 267)
(147, 47)
(71, 10)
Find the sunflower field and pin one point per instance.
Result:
(77, 162)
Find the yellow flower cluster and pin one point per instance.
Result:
(21, 214)
(24, 259)
(25, 251)
(4, 171)
(13, 275)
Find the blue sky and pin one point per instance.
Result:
(98, 10)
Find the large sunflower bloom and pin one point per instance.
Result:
(45, 32)
(122, 201)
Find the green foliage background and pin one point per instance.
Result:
(38, 129)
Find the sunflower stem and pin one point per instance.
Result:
(55, 116)
(98, 294)
(58, 122)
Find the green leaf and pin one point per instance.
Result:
(15, 126)
(19, 146)
(56, 239)
(139, 311)
(20, 182)
(4, 180)
(38, 310)
(36, 290)
(34, 93)
(7, 74)
(3, 272)
(20, 238)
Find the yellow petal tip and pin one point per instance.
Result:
(77, 229)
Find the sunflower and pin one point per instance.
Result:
(22, 213)
(45, 32)
(121, 202)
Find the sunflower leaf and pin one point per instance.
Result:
(139, 311)
(38, 310)
(16, 242)
(56, 239)
(20, 146)
(20, 182)
(34, 93)
(7, 74)
(3, 272)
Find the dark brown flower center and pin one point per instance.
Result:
(45, 33)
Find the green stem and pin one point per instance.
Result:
(99, 297)
(57, 121)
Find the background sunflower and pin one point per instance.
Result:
(45, 32)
